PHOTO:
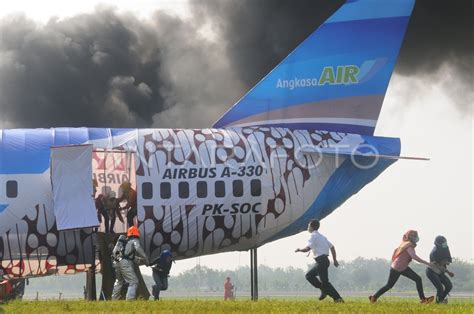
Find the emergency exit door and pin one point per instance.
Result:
(71, 178)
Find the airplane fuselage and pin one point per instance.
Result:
(198, 191)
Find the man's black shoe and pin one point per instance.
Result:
(339, 301)
(322, 296)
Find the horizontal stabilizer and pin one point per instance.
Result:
(316, 150)
(364, 146)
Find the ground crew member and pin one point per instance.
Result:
(161, 271)
(228, 289)
(127, 252)
(320, 246)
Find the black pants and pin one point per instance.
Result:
(108, 227)
(132, 213)
(393, 278)
(321, 270)
(161, 283)
(441, 282)
(109, 217)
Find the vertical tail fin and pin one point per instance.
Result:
(337, 78)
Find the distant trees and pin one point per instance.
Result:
(358, 275)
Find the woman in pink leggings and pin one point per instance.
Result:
(401, 258)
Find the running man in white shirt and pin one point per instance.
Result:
(320, 246)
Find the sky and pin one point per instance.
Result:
(136, 73)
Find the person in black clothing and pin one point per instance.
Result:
(161, 271)
(99, 205)
(129, 195)
(440, 258)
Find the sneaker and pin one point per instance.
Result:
(339, 300)
(372, 299)
(427, 300)
(445, 301)
(322, 296)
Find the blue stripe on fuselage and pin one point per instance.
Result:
(27, 151)
(332, 127)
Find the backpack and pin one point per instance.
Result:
(119, 250)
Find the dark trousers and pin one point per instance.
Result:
(441, 282)
(321, 270)
(132, 212)
(109, 220)
(161, 283)
(393, 278)
(103, 213)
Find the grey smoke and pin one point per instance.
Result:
(108, 69)
(439, 32)
(259, 34)
(94, 69)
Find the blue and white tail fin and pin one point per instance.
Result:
(337, 78)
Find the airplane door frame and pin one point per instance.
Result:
(110, 174)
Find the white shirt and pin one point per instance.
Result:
(319, 244)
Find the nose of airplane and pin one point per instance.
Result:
(2, 207)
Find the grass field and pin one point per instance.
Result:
(387, 305)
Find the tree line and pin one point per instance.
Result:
(358, 275)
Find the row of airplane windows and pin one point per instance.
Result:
(202, 189)
(183, 189)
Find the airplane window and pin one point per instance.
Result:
(238, 188)
(255, 187)
(165, 190)
(12, 189)
(147, 190)
(183, 189)
(201, 189)
(219, 187)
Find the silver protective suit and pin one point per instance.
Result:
(124, 269)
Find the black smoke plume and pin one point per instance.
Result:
(108, 69)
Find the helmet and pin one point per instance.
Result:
(166, 253)
(440, 240)
(133, 232)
